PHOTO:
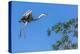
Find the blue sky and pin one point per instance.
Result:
(36, 32)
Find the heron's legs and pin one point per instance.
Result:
(22, 32)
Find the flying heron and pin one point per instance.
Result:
(27, 17)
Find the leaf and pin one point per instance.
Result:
(66, 26)
(76, 25)
(70, 22)
(57, 28)
(65, 38)
(49, 31)
(55, 47)
(75, 33)
(58, 43)
(74, 46)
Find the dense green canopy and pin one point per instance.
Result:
(65, 28)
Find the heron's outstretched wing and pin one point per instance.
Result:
(27, 12)
(27, 16)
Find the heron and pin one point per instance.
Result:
(27, 18)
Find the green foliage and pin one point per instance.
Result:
(65, 28)
(57, 28)
(55, 47)
(74, 45)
